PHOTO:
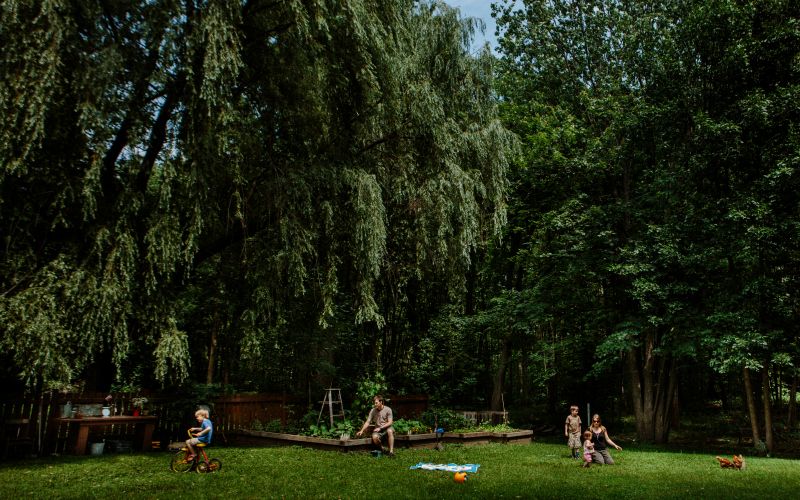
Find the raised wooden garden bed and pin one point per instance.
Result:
(245, 437)
(516, 437)
(415, 440)
(467, 438)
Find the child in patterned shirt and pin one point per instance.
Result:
(572, 429)
(588, 449)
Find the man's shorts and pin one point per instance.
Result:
(574, 441)
(383, 433)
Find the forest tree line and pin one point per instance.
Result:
(281, 195)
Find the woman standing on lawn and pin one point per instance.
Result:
(600, 438)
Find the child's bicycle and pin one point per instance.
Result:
(181, 461)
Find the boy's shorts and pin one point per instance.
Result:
(194, 442)
(574, 441)
(382, 434)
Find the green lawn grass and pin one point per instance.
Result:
(506, 472)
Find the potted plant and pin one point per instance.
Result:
(138, 404)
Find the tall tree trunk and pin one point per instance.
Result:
(213, 346)
(636, 392)
(623, 395)
(751, 403)
(676, 409)
(723, 392)
(648, 380)
(552, 382)
(214, 325)
(665, 397)
(524, 374)
(508, 387)
(767, 406)
(791, 418)
(499, 379)
(652, 390)
(472, 275)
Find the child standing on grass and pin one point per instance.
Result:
(588, 449)
(572, 429)
(202, 433)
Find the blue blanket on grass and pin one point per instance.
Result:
(447, 467)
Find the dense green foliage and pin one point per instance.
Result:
(657, 204)
(269, 161)
(287, 195)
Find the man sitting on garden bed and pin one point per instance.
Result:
(382, 415)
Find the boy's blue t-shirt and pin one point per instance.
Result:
(206, 438)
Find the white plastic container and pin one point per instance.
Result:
(66, 409)
(97, 448)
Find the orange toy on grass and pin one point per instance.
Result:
(461, 477)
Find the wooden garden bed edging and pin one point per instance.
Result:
(467, 438)
(247, 437)
(260, 438)
(516, 437)
(415, 440)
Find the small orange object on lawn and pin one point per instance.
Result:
(461, 477)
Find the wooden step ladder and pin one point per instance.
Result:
(330, 400)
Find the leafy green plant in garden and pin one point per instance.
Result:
(366, 391)
(445, 419)
(274, 426)
(339, 428)
(292, 427)
(257, 425)
(308, 419)
(486, 427)
(759, 447)
(403, 426)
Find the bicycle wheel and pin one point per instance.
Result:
(214, 465)
(180, 462)
(202, 467)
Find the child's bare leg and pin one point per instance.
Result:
(189, 446)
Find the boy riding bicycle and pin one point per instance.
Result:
(202, 433)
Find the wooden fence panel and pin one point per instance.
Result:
(410, 406)
(229, 412)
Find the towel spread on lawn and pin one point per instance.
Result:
(447, 467)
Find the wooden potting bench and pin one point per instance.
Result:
(78, 434)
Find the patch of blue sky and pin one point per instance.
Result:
(480, 9)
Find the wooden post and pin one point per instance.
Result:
(283, 409)
(330, 405)
(53, 427)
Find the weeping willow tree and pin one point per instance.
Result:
(313, 140)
